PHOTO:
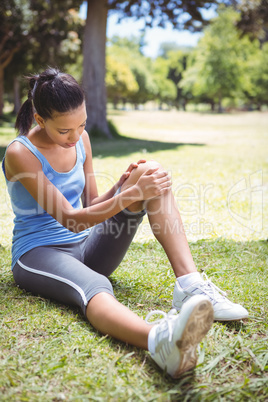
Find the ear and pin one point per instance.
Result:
(39, 120)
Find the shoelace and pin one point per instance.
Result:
(209, 288)
(166, 319)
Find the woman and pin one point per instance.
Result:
(66, 252)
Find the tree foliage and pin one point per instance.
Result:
(220, 65)
(254, 19)
(166, 88)
(35, 34)
(257, 74)
(128, 52)
(120, 81)
(178, 61)
(13, 34)
(183, 14)
(56, 30)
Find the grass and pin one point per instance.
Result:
(50, 353)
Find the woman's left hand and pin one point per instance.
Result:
(126, 174)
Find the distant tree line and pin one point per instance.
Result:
(225, 69)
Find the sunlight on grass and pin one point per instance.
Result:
(220, 186)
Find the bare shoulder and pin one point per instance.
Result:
(20, 159)
(86, 142)
(86, 139)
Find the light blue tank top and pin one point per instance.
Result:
(33, 226)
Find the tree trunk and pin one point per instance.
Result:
(94, 66)
(212, 106)
(124, 102)
(16, 93)
(1, 90)
(220, 109)
(115, 101)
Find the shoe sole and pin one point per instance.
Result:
(197, 326)
(241, 318)
(231, 319)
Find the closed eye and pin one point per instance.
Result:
(67, 130)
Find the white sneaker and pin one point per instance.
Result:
(224, 309)
(176, 336)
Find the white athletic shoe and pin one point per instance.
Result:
(224, 309)
(176, 336)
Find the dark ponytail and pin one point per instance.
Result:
(25, 116)
(51, 91)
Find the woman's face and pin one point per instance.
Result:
(64, 129)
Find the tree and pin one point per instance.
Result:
(129, 52)
(55, 32)
(120, 81)
(254, 19)
(219, 67)
(257, 73)
(166, 89)
(182, 14)
(178, 61)
(36, 34)
(12, 36)
(143, 72)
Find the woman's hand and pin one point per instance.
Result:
(153, 183)
(126, 174)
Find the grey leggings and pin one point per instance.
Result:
(74, 273)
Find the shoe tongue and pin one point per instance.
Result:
(188, 280)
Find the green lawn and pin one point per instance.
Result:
(219, 168)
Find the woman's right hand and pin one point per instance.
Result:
(153, 183)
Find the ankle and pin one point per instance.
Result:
(185, 270)
(189, 279)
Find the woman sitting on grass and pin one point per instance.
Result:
(65, 252)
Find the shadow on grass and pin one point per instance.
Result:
(124, 146)
(120, 145)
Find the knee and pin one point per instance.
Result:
(142, 168)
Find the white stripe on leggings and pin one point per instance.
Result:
(58, 278)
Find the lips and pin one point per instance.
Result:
(72, 145)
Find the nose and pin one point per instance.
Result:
(74, 137)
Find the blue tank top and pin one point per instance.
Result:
(33, 226)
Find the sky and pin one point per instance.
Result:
(153, 36)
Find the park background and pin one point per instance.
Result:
(201, 110)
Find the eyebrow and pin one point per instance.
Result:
(67, 129)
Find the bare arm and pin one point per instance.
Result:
(22, 165)
(90, 194)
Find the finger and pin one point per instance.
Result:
(141, 161)
(132, 166)
(150, 171)
(162, 173)
(165, 190)
(164, 181)
(165, 185)
(124, 176)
